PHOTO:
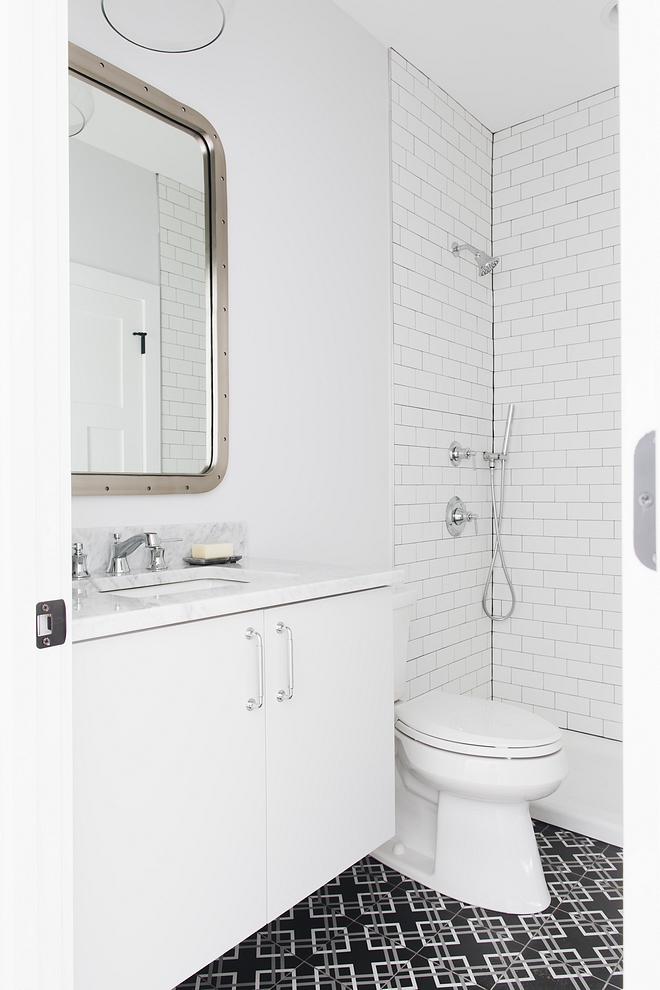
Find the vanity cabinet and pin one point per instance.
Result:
(329, 760)
(198, 817)
(169, 802)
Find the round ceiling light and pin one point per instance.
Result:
(610, 16)
(165, 26)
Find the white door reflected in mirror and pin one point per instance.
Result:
(115, 373)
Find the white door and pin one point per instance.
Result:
(115, 373)
(330, 755)
(35, 745)
(169, 802)
(640, 229)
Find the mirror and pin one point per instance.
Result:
(148, 239)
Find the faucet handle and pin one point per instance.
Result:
(153, 540)
(157, 552)
(78, 563)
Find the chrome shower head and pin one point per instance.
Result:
(485, 262)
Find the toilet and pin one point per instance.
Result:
(466, 772)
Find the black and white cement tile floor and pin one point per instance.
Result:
(373, 929)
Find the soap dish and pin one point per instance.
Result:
(203, 561)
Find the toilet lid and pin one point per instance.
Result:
(463, 724)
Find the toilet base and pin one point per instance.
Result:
(486, 855)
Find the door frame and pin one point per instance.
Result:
(35, 711)
(640, 156)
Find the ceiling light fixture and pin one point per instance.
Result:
(185, 26)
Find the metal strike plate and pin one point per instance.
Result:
(51, 623)
(644, 501)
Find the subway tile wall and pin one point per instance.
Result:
(441, 170)
(183, 327)
(556, 227)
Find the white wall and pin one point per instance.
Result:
(113, 214)
(443, 351)
(298, 93)
(557, 340)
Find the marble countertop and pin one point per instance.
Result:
(98, 610)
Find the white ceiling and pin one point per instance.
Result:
(505, 61)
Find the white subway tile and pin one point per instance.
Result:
(597, 149)
(443, 375)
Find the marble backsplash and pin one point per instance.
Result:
(97, 542)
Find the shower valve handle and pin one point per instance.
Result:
(458, 515)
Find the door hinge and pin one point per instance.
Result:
(51, 623)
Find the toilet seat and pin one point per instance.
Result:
(476, 727)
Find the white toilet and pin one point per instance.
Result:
(466, 771)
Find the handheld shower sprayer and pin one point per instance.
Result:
(507, 431)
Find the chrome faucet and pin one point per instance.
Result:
(118, 563)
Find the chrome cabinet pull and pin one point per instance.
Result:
(286, 695)
(251, 633)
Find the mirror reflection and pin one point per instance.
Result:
(140, 335)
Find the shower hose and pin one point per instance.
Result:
(497, 549)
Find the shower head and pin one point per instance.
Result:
(485, 262)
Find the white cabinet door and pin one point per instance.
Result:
(169, 802)
(330, 748)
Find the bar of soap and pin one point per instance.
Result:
(211, 551)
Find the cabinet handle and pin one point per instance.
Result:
(251, 704)
(287, 695)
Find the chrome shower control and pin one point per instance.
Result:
(457, 516)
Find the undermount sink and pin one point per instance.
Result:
(176, 582)
(177, 586)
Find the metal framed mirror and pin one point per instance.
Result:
(148, 235)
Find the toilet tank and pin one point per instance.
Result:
(403, 604)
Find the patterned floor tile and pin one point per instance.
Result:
(373, 929)
(254, 964)
(301, 933)
(365, 887)
(363, 956)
